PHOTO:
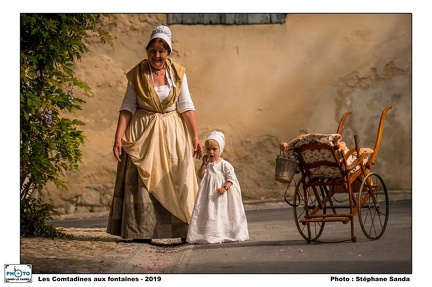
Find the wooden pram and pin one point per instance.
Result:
(327, 172)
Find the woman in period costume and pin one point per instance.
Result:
(155, 144)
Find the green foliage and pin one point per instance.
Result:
(34, 213)
(50, 139)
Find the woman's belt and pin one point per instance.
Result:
(169, 110)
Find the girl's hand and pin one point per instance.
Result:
(205, 159)
(202, 170)
(221, 190)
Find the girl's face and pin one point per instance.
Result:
(212, 150)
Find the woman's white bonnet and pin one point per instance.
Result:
(162, 32)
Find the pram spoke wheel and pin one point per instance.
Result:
(373, 211)
(303, 206)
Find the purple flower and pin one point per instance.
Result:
(71, 95)
(47, 116)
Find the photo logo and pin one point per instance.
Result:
(18, 273)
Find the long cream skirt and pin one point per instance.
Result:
(156, 184)
(135, 213)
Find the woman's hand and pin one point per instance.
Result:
(198, 150)
(123, 121)
(117, 150)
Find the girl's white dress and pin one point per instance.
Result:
(218, 218)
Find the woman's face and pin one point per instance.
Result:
(157, 54)
(212, 150)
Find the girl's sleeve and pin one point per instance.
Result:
(229, 173)
(185, 102)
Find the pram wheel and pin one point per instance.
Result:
(373, 211)
(301, 210)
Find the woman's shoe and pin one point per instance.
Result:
(139, 240)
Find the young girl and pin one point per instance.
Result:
(218, 215)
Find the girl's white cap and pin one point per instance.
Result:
(219, 137)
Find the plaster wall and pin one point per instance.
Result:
(260, 85)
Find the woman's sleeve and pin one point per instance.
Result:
(185, 102)
(129, 101)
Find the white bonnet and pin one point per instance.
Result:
(219, 137)
(162, 32)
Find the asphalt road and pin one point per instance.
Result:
(276, 247)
